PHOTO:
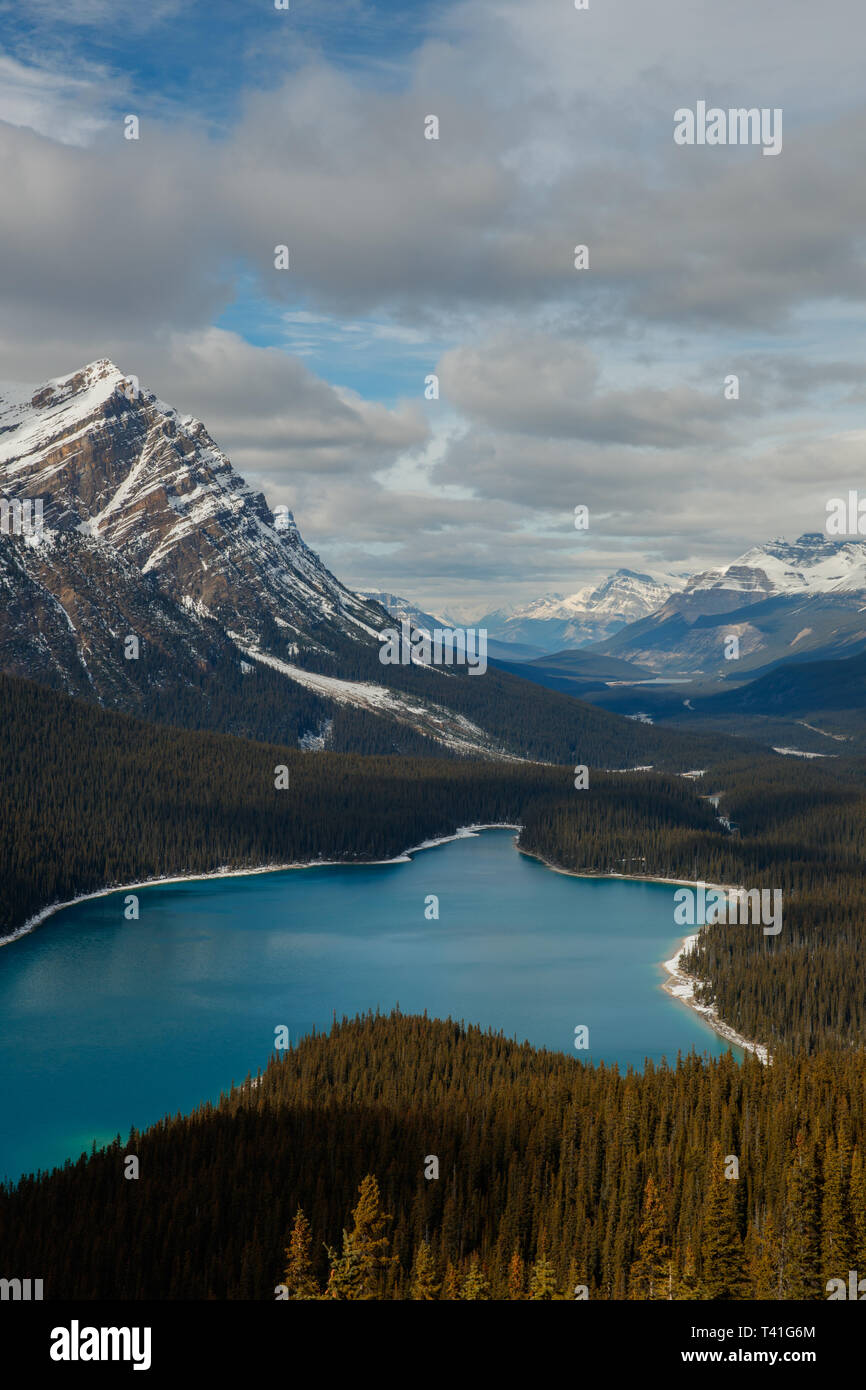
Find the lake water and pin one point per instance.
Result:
(106, 1023)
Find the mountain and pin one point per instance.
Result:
(402, 609)
(782, 601)
(590, 615)
(814, 690)
(152, 485)
(160, 583)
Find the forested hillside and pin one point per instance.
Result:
(552, 1174)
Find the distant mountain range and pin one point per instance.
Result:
(402, 610)
(783, 601)
(556, 621)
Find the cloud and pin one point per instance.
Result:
(64, 108)
(558, 386)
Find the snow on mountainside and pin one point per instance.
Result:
(113, 462)
(812, 564)
(589, 615)
(784, 600)
(148, 533)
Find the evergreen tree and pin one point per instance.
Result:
(299, 1277)
(765, 1260)
(801, 1268)
(346, 1279)
(516, 1278)
(858, 1211)
(425, 1285)
(651, 1275)
(476, 1285)
(542, 1276)
(836, 1223)
(721, 1247)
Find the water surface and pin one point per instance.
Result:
(106, 1023)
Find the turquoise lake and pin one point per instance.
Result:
(106, 1023)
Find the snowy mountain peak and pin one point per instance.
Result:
(588, 615)
(812, 564)
(109, 459)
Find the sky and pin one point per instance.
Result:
(411, 257)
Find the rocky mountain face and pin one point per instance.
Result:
(114, 464)
(139, 570)
(157, 579)
(590, 615)
(402, 609)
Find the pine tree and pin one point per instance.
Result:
(801, 1271)
(425, 1285)
(765, 1260)
(451, 1283)
(721, 1247)
(346, 1278)
(688, 1286)
(836, 1232)
(516, 1278)
(359, 1270)
(542, 1276)
(858, 1211)
(299, 1277)
(650, 1276)
(476, 1284)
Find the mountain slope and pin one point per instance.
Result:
(781, 601)
(149, 534)
(155, 486)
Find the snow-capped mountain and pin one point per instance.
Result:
(813, 564)
(589, 615)
(159, 582)
(139, 570)
(115, 464)
(784, 600)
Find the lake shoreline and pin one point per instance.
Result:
(463, 832)
(679, 985)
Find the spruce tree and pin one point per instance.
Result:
(801, 1271)
(476, 1285)
(451, 1283)
(765, 1260)
(721, 1247)
(836, 1224)
(516, 1278)
(299, 1277)
(858, 1211)
(650, 1275)
(425, 1285)
(542, 1276)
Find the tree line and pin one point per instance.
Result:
(698, 1179)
